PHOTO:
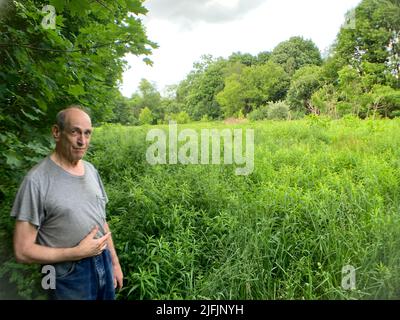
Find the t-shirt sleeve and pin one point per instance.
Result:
(28, 205)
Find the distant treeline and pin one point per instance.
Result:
(359, 75)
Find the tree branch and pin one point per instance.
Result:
(7, 45)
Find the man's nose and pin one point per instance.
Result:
(81, 139)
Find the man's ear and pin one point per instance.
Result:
(55, 130)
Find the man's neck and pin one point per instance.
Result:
(73, 167)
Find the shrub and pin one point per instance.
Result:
(181, 117)
(146, 116)
(278, 110)
(258, 114)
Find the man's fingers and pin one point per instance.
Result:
(93, 232)
(105, 237)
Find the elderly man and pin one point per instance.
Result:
(61, 219)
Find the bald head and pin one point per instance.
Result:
(65, 115)
(72, 133)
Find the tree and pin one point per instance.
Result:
(147, 96)
(169, 102)
(296, 53)
(42, 69)
(197, 93)
(374, 40)
(263, 57)
(386, 101)
(325, 101)
(146, 116)
(253, 87)
(364, 63)
(304, 83)
(244, 58)
(150, 98)
(122, 111)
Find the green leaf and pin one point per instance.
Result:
(58, 4)
(78, 7)
(136, 7)
(148, 61)
(29, 116)
(42, 105)
(76, 90)
(12, 159)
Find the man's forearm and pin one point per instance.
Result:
(41, 254)
(110, 244)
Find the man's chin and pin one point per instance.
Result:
(78, 152)
(77, 157)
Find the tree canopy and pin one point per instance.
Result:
(296, 53)
(46, 64)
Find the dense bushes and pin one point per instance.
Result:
(272, 111)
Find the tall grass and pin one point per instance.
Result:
(323, 195)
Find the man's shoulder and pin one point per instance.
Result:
(89, 165)
(37, 173)
(40, 169)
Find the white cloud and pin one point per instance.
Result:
(260, 27)
(192, 11)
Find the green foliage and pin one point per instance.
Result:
(123, 112)
(205, 119)
(243, 58)
(258, 114)
(146, 116)
(325, 100)
(200, 232)
(197, 93)
(43, 70)
(151, 98)
(386, 100)
(296, 53)
(278, 110)
(284, 232)
(374, 40)
(304, 83)
(180, 118)
(272, 111)
(253, 87)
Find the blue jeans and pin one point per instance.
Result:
(88, 279)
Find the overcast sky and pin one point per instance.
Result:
(187, 29)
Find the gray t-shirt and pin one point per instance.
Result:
(63, 206)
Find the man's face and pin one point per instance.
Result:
(74, 140)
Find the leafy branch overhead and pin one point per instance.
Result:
(79, 61)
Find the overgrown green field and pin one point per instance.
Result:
(323, 195)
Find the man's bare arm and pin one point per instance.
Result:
(28, 251)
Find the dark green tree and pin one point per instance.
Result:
(253, 87)
(197, 93)
(374, 39)
(149, 97)
(296, 53)
(304, 83)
